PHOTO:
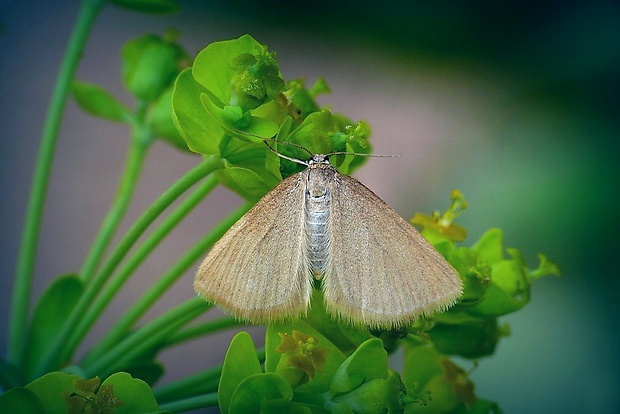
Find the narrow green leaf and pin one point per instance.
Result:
(240, 362)
(149, 6)
(189, 404)
(51, 312)
(98, 102)
(199, 383)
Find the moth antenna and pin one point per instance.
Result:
(292, 144)
(295, 160)
(298, 161)
(359, 154)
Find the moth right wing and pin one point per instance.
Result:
(384, 273)
(257, 270)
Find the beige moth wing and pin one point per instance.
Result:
(257, 271)
(384, 273)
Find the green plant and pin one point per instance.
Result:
(232, 94)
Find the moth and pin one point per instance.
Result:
(374, 268)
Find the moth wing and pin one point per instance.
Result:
(257, 270)
(384, 273)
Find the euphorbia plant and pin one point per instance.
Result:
(221, 106)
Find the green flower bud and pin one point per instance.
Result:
(256, 80)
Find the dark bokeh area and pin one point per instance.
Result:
(514, 103)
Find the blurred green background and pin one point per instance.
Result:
(514, 103)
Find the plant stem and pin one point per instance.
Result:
(113, 286)
(133, 167)
(203, 329)
(59, 351)
(192, 403)
(147, 338)
(198, 383)
(154, 292)
(36, 202)
(194, 384)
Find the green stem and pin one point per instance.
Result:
(127, 185)
(193, 403)
(199, 383)
(203, 329)
(113, 286)
(202, 382)
(154, 292)
(59, 352)
(147, 338)
(36, 202)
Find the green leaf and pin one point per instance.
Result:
(23, 401)
(98, 102)
(250, 169)
(344, 336)
(262, 393)
(496, 302)
(374, 396)
(509, 289)
(477, 276)
(148, 371)
(213, 67)
(490, 246)
(511, 277)
(250, 178)
(232, 119)
(59, 392)
(368, 362)
(149, 6)
(240, 362)
(51, 312)
(323, 133)
(10, 375)
(545, 268)
(301, 97)
(159, 120)
(427, 371)
(472, 339)
(135, 394)
(322, 379)
(421, 364)
(52, 389)
(199, 130)
(150, 65)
